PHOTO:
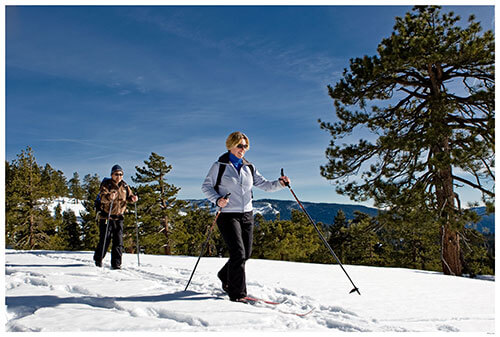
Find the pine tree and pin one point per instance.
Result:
(27, 216)
(45, 179)
(191, 232)
(56, 241)
(70, 233)
(90, 226)
(434, 85)
(75, 188)
(477, 260)
(261, 236)
(411, 238)
(58, 180)
(286, 240)
(10, 204)
(158, 207)
(362, 242)
(337, 234)
(53, 182)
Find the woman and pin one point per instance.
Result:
(232, 173)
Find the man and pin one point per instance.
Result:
(114, 193)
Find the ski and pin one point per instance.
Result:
(255, 299)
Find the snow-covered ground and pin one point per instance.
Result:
(64, 291)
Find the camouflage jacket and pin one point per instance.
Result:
(119, 203)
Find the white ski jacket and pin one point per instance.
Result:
(238, 184)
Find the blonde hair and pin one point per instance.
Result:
(235, 138)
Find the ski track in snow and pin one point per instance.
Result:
(77, 285)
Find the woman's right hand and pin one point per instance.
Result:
(222, 202)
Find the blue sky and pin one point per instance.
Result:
(89, 87)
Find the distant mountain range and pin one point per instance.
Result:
(325, 212)
(487, 223)
(320, 212)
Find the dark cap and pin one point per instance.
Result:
(116, 168)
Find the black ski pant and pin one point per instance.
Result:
(115, 234)
(237, 231)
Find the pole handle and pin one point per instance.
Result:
(224, 197)
(283, 174)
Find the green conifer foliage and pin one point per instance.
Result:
(191, 232)
(71, 232)
(287, 240)
(158, 207)
(337, 234)
(431, 90)
(90, 221)
(27, 217)
(75, 188)
(54, 183)
(477, 259)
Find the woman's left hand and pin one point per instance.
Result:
(284, 181)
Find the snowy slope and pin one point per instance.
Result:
(67, 204)
(64, 291)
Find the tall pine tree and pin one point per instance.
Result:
(157, 207)
(28, 220)
(432, 89)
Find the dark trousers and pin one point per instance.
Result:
(237, 231)
(115, 234)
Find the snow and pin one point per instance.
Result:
(55, 291)
(265, 208)
(67, 204)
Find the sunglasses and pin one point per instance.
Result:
(242, 146)
(118, 174)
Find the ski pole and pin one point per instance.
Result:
(137, 234)
(206, 242)
(356, 289)
(106, 232)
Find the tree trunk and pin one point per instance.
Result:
(450, 243)
(166, 231)
(450, 258)
(31, 241)
(165, 219)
